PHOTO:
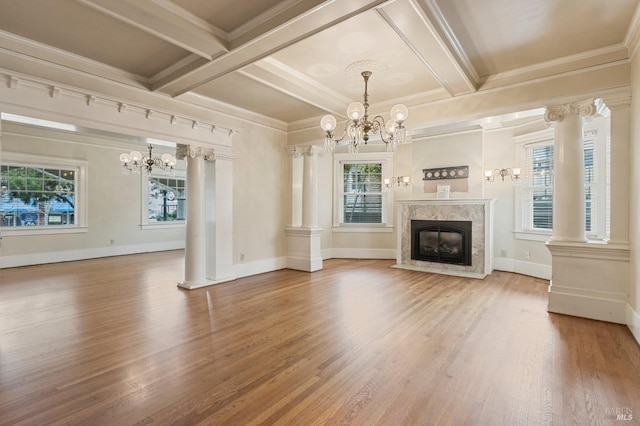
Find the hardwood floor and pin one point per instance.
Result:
(115, 342)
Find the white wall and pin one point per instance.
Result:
(458, 149)
(261, 196)
(260, 193)
(114, 208)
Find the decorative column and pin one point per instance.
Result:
(195, 242)
(619, 106)
(303, 241)
(568, 166)
(590, 279)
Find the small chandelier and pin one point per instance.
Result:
(359, 126)
(133, 162)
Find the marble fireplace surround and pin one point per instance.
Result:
(478, 211)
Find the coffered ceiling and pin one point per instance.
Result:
(287, 59)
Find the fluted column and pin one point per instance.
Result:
(310, 187)
(195, 240)
(568, 166)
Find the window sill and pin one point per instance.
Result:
(38, 230)
(362, 228)
(532, 235)
(164, 225)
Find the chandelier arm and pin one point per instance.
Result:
(347, 125)
(378, 127)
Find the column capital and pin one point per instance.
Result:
(310, 150)
(585, 108)
(313, 150)
(294, 151)
(188, 151)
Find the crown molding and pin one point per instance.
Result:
(632, 37)
(33, 96)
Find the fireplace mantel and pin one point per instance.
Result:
(478, 211)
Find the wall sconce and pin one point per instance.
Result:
(400, 180)
(513, 173)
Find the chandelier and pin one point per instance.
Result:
(133, 162)
(359, 127)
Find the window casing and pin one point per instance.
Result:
(42, 195)
(360, 198)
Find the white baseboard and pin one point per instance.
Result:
(593, 304)
(92, 253)
(259, 266)
(525, 268)
(349, 253)
(633, 322)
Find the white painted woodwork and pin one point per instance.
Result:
(568, 170)
(310, 188)
(196, 243)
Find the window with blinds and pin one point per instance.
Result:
(362, 196)
(538, 193)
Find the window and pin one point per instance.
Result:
(166, 199)
(362, 193)
(540, 190)
(360, 196)
(536, 194)
(41, 193)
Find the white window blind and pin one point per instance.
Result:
(538, 190)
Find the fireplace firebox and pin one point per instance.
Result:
(442, 241)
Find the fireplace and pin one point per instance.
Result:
(479, 211)
(441, 241)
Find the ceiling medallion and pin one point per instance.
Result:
(357, 68)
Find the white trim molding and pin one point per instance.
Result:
(633, 322)
(597, 288)
(520, 267)
(87, 253)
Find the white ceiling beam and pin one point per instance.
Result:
(421, 32)
(289, 27)
(286, 80)
(163, 23)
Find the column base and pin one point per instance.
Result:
(303, 249)
(205, 283)
(590, 280)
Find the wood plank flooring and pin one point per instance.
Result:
(114, 341)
